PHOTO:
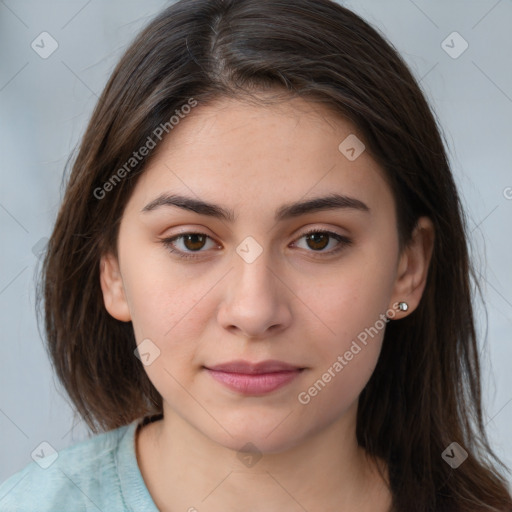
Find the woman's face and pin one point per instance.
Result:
(255, 287)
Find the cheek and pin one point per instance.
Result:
(332, 388)
(170, 308)
(161, 294)
(348, 333)
(346, 303)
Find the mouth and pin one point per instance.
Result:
(249, 378)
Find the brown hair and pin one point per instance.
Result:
(425, 392)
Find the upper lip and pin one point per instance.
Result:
(241, 366)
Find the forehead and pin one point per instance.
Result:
(233, 151)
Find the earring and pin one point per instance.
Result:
(402, 306)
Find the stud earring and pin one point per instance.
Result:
(402, 306)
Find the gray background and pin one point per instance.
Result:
(46, 103)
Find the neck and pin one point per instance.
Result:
(185, 470)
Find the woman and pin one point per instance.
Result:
(257, 290)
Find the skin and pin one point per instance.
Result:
(295, 303)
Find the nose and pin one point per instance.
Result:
(256, 301)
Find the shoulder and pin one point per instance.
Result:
(81, 477)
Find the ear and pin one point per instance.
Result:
(112, 287)
(413, 267)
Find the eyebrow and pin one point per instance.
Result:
(287, 211)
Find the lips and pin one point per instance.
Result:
(240, 366)
(254, 378)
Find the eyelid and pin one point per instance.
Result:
(342, 240)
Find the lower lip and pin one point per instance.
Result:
(254, 384)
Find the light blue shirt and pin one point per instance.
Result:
(99, 474)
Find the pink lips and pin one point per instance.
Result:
(254, 378)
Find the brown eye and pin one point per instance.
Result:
(194, 241)
(317, 241)
(191, 242)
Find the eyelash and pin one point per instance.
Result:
(168, 242)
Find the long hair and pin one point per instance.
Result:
(425, 392)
